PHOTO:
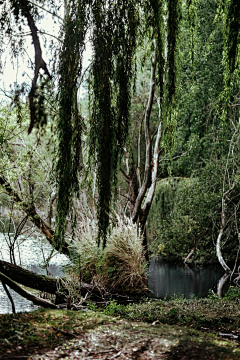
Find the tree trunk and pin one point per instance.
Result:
(141, 193)
(220, 287)
(219, 253)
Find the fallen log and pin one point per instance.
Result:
(18, 275)
(28, 278)
(43, 283)
(27, 295)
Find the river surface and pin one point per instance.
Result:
(166, 279)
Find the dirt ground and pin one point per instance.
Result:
(63, 334)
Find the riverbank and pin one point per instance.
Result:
(176, 329)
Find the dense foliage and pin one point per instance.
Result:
(187, 212)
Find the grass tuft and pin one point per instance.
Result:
(121, 266)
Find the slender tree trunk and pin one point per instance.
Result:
(219, 253)
(220, 234)
(147, 171)
(9, 296)
(220, 287)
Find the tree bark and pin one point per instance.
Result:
(144, 186)
(142, 193)
(219, 253)
(9, 296)
(220, 234)
(221, 283)
(25, 7)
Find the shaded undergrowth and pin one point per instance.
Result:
(43, 329)
(198, 313)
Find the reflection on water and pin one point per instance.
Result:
(168, 279)
(31, 254)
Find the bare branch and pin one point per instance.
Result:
(39, 62)
(48, 11)
(9, 296)
(139, 153)
(125, 174)
(30, 210)
(155, 165)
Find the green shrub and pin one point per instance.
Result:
(186, 215)
(233, 293)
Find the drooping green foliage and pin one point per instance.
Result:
(231, 10)
(187, 208)
(156, 17)
(174, 14)
(192, 19)
(69, 120)
(164, 19)
(114, 43)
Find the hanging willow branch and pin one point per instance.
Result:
(174, 7)
(70, 122)
(156, 17)
(114, 44)
(192, 17)
(114, 28)
(229, 11)
(232, 35)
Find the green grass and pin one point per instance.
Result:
(208, 313)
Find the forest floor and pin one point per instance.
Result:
(183, 329)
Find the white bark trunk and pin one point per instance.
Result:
(219, 253)
(221, 283)
(155, 164)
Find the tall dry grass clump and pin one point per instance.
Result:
(90, 254)
(121, 266)
(124, 258)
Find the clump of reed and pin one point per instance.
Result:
(121, 266)
(124, 257)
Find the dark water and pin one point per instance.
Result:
(167, 279)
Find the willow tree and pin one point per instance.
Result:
(115, 29)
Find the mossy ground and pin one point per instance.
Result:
(179, 329)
